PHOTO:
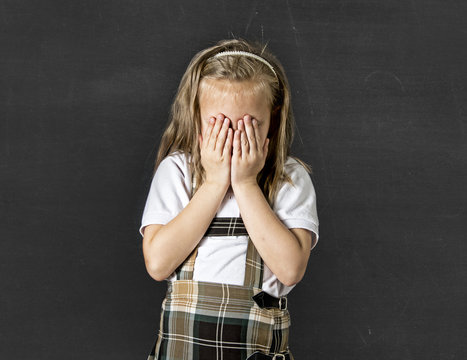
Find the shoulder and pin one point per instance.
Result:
(178, 157)
(292, 162)
(296, 171)
(295, 202)
(300, 186)
(176, 161)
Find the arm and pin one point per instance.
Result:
(285, 251)
(165, 247)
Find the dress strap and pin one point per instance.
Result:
(185, 269)
(228, 226)
(254, 267)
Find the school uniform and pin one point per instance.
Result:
(223, 302)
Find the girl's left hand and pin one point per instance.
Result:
(249, 155)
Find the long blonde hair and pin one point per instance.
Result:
(181, 133)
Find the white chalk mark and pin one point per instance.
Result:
(302, 70)
(292, 22)
(252, 15)
(361, 337)
(458, 105)
(395, 320)
(416, 13)
(3, 12)
(390, 74)
(7, 133)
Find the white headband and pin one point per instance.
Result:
(248, 54)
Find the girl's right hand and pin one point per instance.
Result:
(216, 149)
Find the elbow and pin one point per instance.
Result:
(156, 264)
(292, 276)
(291, 281)
(157, 271)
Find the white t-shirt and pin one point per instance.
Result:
(222, 259)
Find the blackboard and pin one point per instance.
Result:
(379, 96)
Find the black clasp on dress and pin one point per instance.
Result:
(264, 300)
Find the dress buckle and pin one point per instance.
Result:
(283, 301)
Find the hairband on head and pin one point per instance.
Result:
(248, 54)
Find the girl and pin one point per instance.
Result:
(230, 218)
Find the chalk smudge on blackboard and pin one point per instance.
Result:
(253, 13)
(380, 78)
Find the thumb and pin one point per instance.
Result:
(266, 147)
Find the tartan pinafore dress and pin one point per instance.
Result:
(215, 321)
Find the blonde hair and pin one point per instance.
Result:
(181, 133)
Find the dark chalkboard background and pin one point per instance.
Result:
(379, 93)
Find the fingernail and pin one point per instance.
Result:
(254, 122)
(211, 120)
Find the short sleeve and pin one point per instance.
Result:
(295, 204)
(169, 192)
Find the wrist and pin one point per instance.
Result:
(244, 185)
(216, 187)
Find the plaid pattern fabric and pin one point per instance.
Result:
(214, 321)
(202, 320)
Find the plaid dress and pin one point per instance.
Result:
(206, 320)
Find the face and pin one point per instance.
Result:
(234, 100)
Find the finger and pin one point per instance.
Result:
(228, 143)
(243, 139)
(266, 148)
(215, 132)
(237, 150)
(207, 133)
(256, 129)
(222, 135)
(250, 133)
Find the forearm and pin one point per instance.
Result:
(276, 244)
(174, 241)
